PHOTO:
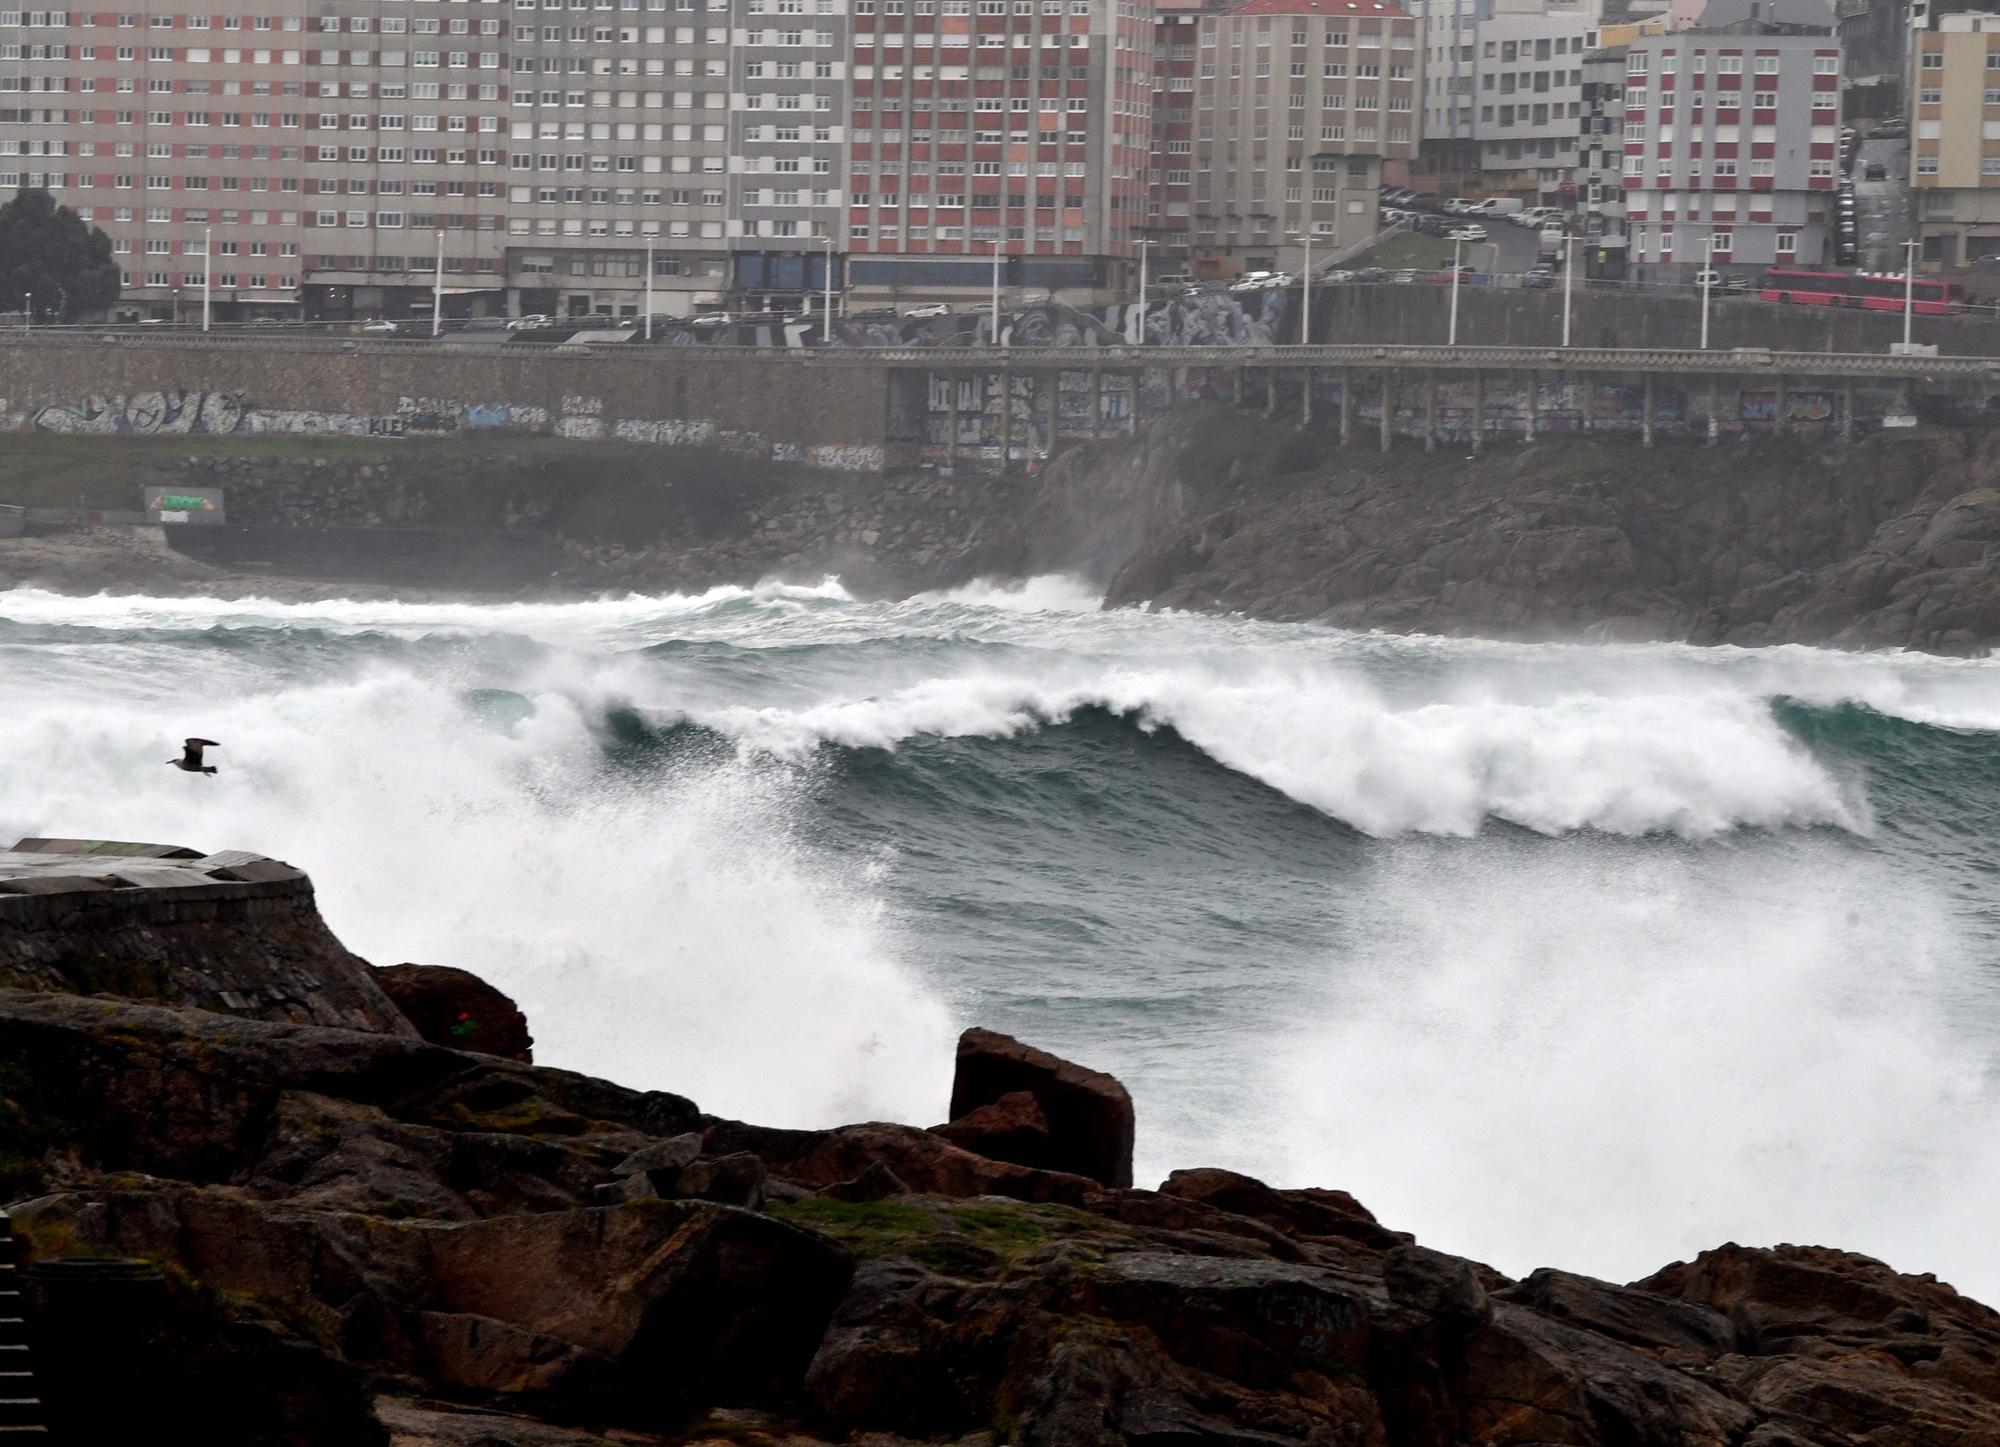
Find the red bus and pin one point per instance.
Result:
(1877, 290)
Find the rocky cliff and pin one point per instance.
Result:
(1894, 540)
(349, 1236)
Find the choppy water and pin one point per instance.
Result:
(1588, 956)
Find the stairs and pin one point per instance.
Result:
(21, 1415)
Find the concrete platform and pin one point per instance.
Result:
(76, 866)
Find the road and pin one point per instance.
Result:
(1884, 205)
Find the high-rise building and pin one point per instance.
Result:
(1017, 125)
(341, 155)
(1955, 137)
(787, 105)
(1169, 223)
(1298, 103)
(1732, 137)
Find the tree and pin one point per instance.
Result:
(47, 252)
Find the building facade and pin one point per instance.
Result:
(1169, 224)
(1731, 146)
(1600, 168)
(341, 155)
(1298, 104)
(1021, 125)
(1530, 101)
(787, 63)
(1955, 138)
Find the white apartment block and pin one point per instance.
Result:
(1530, 98)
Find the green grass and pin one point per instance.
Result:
(978, 1241)
(1408, 248)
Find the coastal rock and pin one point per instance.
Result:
(1088, 1113)
(1012, 1128)
(457, 1009)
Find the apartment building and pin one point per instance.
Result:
(1731, 141)
(1448, 47)
(1298, 104)
(1955, 138)
(1600, 167)
(1021, 125)
(787, 155)
(1530, 100)
(1168, 227)
(341, 154)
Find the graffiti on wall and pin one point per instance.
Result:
(180, 412)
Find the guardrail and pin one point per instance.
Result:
(1361, 355)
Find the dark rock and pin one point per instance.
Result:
(1637, 1318)
(876, 1183)
(457, 1009)
(1012, 1128)
(1309, 1213)
(1089, 1114)
(1440, 1286)
(732, 1180)
(924, 1161)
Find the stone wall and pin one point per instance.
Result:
(233, 932)
(836, 418)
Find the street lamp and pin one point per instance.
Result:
(649, 288)
(1457, 245)
(1909, 286)
(27, 311)
(1569, 271)
(998, 243)
(1707, 276)
(207, 270)
(1305, 287)
(826, 305)
(437, 290)
(1144, 244)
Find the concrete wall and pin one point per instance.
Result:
(834, 418)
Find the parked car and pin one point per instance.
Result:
(1722, 281)
(716, 319)
(483, 324)
(532, 322)
(379, 328)
(1336, 276)
(1466, 233)
(925, 313)
(1538, 280)
(1251, 281)
(1894, 130)
(1875, 171)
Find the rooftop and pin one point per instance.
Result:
(77, 866)
(1318, 7)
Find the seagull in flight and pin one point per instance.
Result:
(190, 759)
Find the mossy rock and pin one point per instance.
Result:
(975, 1240)
(31, 1125)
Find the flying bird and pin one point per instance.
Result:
(190, 759)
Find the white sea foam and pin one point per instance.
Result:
(1543, 1050)
(672, 932)
(1688, 764)
(1594, 1049)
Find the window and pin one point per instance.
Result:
(1927, 165)
(1788, 243)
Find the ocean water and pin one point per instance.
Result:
(1587, 956)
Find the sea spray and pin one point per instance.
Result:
(1590, 954)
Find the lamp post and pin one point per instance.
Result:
(826, 305)
(177, 303)
(207, 270)
(1909, 286)
(649, 288)
(1707, 276)
(1457, 245)
(997, 244)
(27, 311)
(1569, 271)
(437, 290)
(1306, 287)
(1145, 245)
